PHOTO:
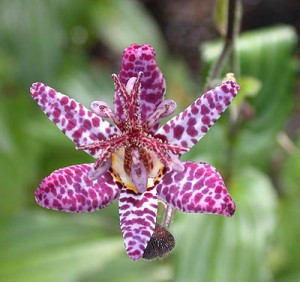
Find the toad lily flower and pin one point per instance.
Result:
(136, 161)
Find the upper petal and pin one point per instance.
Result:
(72, 118)
(137, 217)
(69, 189)
(141, 58)
(199, 188)
(189, 126)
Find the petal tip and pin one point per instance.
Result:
(230, 209)
(135, 256)
(34, 87)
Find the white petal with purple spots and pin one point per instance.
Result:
(70, 189)
(198, 189)
(137, 218)
(194, 122)
(72, 118)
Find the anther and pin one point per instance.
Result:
(164, 109)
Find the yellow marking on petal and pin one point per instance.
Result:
(121, 176)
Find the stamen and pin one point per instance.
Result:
(133, 87)
(105, 111)
(122, 93)
(138, 172)
(97, 171)
(175, 163)
(164, 109)
(130, 84)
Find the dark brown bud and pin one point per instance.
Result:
(160, 245)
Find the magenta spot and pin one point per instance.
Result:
(211, 203)
(187, 186)
(194, 109)
(207, 199)
(206, 120)
(167, 180)
(73, 104)
(77, 134)
(166, 128)
(219, 189)
(72, 208)
(199, 184)
(64, 100)
(71, 125)
(96, 122)
(204, 129)
(69, 116)
(131, 57)
(56, 113)
(205, 191)
(191, 122)
(178, 177)
(177, 132)
(204, 110)
(92, 194)
(185, 199)
(95, 204)
(225, 88)
(191, 131)
(81, 111)
(87, 124)
(210, 182)
(184, 143)
(134, 253)
(70, 193)
(77, 187)
(56, 203)
(198, 197)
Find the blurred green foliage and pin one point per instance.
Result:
(52, 41)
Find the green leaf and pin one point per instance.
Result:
(54, 246)
(287, 248)
(37, 247)
(25, 29)
(216, 248)
(267, 56)
(249, 88)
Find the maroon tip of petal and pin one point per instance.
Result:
(134, 58)
(230, 209)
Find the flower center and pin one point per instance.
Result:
(135, 156)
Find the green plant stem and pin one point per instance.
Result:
(228, 45)
(169, 213)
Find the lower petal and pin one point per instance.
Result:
(70, 189)
(198, 189)
(137, 217)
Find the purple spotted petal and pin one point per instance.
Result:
(137, 59)
(193, 123)
(137, 218)
(72, 118)
(69, 189)
(198, 189)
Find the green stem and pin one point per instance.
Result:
(228, 45)
(169, 213)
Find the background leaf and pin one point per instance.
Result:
(230, 249)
